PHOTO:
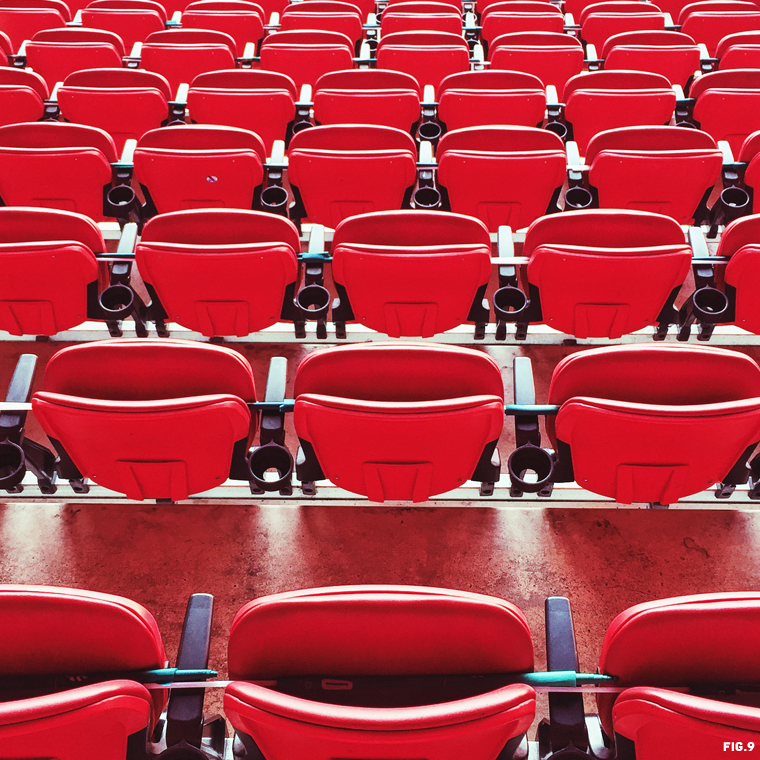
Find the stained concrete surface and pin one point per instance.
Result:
(604, 560)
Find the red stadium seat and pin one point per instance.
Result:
(334, 18)
(242, 20)
(21, 96)
(63, 631)
(371, 421)
(550, 56)
(411, 273)
(386, 631)
(712, 20)
(21, 19)
(55, 165)
(421, 16)
(673, 55)
(56, 53)
(263, 102)
(604, 274)
(306, 55)
(148, 418)
(126, 103)
(187, 167)
(220, 271)
(347, 169)
(428, 56)
(6, 48)
(180, 55)
(740, 242)
(728, 104)
(654, 424)
(521, 16)
(739, 51)
(479, 98)
(368, 96)
(604, 100)
(602, 20)
(49, 264)
(750, 155)
(132, 20)
(701, 641)
(665, 170)
(502, 175)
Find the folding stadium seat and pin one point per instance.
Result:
(306, 55)
(703, 641)
(600, 21)
(654, 424)
(22, 96)
(665, 170)
(263, 102)
(332, 16)
(728, 104)
(199, 167)
(126, 103)
(712, 20)
(478, 98)
(603, 100)
(605, 274)
(55, 165)
(387, 631)
(421, 16)
(750, 155)
(242, 20)
(149, 418)
(345, 169)
(456, 4)
(370, 421)
(49, 269)
(411, 273)
(132, 20)
(502, 175)
(521, 16)
(671, 54)
(56, 53)
(550, 56)
(181, 55)
(51, 632)
(21, 19)
(428, 56)
(220, 271)
(6, 49)
(739, 51)
(368, 96)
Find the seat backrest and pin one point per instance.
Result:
(551, 56)
(126, 103)
(259, 101)
(198, 166)
(220, 271)
(739, 51)
(404, 18)
(367, 96)
(133, 23)
(600, 21)
(22, 94)
(702, 641)
(605, 273)
(243, 22)
(347, 22)
(20, 22)
(329, 166)
(158, 419)
(712, 20)
(741, 243)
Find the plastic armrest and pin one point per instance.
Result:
(470, 21)
(54, 95)
(249, 52)
(181, 96)
(573, 156)
(274, 19)
(678, 90)
(552, 99)
(478, 56)
(703, 52)
(184, 717)
(176, 17)
(428, 95)
(525, 393)
(277, 157)
(128, 239)
(668, 20)
(277, 378)
(426, 154)
(505, 245)
(128, 154)
(365, 53)
(22, 50)
(698, 243)
(77, 20)
(304, 97)
(591, 54)
(725, 149)
(569, 20)
(136, 51)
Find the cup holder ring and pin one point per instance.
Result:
(313, 301)
(274, 199)
(430, 130)
(117, 301)
(121, 199)
(530, 458)
(558, 128)
(12, 464)
(578, 198)
(510, 304)
(735, 199)
(710, 304)
(270, 456)
(427, 198)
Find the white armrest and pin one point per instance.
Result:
(274, 19)
(177, 17)
(470, 21)
(317, 238)
(182, 92)
(426, 152)
(678, 90)
(364, 52)
(22, 49)
(573, 154)
(569, 20)
(77, 20)
(305, 95)
(725, 149)
(551, 95)
(128, 154)
(249, 51)
(372, 19)
(668, 19)
(703, 52)
(504, 245)
(477, 53)
(54, 94)
(278, 152)
(428, 94)
(136, 50)
(591, 52)
(128, 238)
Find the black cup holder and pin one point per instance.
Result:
(558, 128)
(530, 458)
(427, 198)
(313, 301)
(120, 200)
(509, 304)
(270, 457)
(117, 301)
(686, 125)
(710, 304)
(577, 198)
(735, 199)
(12, 464)
(275, 199)
(299, 126)
(430, 130)
(182, 751)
